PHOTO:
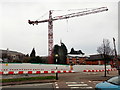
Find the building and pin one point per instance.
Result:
(76, 59)
(10, 56)
(98, 59)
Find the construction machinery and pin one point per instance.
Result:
(67, 16)
(116, 60)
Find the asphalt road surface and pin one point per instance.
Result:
(41, 86)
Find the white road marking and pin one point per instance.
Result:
(74, 85)
(56, 85)
(82, 82)
(74, 82)
(82, 87)
(86, 87)
(71, 82)
(77, 85)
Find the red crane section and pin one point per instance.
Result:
(50, 24)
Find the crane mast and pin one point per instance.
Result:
(50, 24)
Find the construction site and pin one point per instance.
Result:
(71, 45)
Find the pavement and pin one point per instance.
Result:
(73, 80)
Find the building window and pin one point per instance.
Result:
(70, 60)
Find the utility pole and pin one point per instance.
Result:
(116, 58)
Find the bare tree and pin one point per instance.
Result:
(106, 51)
(105, 48)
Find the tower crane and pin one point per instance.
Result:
(51, 19)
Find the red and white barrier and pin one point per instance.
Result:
(90, 68)
(33, 67)
(28, 68)
(33, 72)
(99, 70)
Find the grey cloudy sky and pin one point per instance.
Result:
(83, 32)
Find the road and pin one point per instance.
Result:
(80, 80)
(48, 86)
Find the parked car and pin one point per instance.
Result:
(110, 84)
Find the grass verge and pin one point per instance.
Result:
(27, 79)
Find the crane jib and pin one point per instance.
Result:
(92, 11)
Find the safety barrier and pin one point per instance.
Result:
(33, 72)
(99, 70)
(90, 68)
(29, 68)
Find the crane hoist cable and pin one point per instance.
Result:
(42, 16)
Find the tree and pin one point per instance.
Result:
(61, 51)
(33, 53)
(105, 48)
(26, 59)
(36, 59)
(76, 52)
(72, 51)
(56, 51)
(105, 51)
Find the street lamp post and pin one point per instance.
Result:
(104, 53)
(56, 66)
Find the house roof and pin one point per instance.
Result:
(76, 55)
(10, 52)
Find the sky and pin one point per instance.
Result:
(84, 33)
